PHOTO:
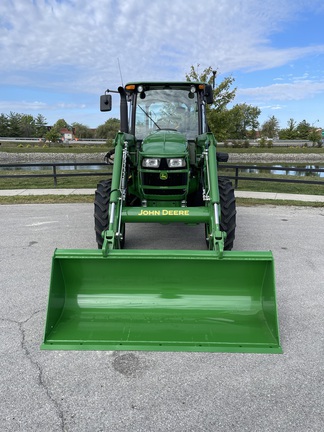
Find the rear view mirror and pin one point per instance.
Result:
(105, 102)
(209, 96)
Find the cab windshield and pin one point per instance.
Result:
(166, 109)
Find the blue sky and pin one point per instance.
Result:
(57, 57)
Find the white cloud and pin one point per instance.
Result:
(289, 91)
(26, 106)
(21, 106)
(79, 42)
(64, 52)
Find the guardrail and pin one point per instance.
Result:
(236, 177)
(55, 175)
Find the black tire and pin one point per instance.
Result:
(101, 206)
(228, 210)
(228, 213)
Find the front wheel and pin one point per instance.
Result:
(228, 213)
(101, 207)
(228, 210)
(101, 212)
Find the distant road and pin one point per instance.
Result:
(277, 143)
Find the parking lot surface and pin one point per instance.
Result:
(160, 391)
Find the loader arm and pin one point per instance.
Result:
(112, 236)
(211, 195)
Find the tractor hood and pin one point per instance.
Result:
(165, 143)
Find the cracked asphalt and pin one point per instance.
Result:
(153, 391)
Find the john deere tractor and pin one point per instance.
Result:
(165, 165)
(165, 169)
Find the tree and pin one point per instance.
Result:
(270, 128)
(27, 126)
(4, 125)
(109, 129)
(216, 113)
(82, 131)
(243, 121)
(14, 124)
(303, 129)
(52, 135)
(223, 94)
(219, 123)
(315, 136)
(40, 125)
(60, 124)
(290, 132)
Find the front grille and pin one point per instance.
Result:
(174, 184)
(164, 192)
(174, 179)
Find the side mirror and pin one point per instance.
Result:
(209, 96)
(105, 102)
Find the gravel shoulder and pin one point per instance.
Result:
(270, 157)
(6, 157)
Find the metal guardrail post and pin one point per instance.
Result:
(236, 178)
(54, 175)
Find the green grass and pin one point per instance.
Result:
(293, 188)
(48, 182)
(47, 199)
(248, 202)
(72, 199)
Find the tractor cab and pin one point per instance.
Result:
(150, 107)
(164, 122)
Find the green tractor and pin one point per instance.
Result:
(165, 169)
(161, 158)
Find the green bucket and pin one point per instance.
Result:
(162, 301)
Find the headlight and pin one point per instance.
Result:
(151, 162)
(176, 163)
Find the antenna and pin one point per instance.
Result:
(121, 76)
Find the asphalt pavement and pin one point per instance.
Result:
(160, 391)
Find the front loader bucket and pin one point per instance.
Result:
(162, 301)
